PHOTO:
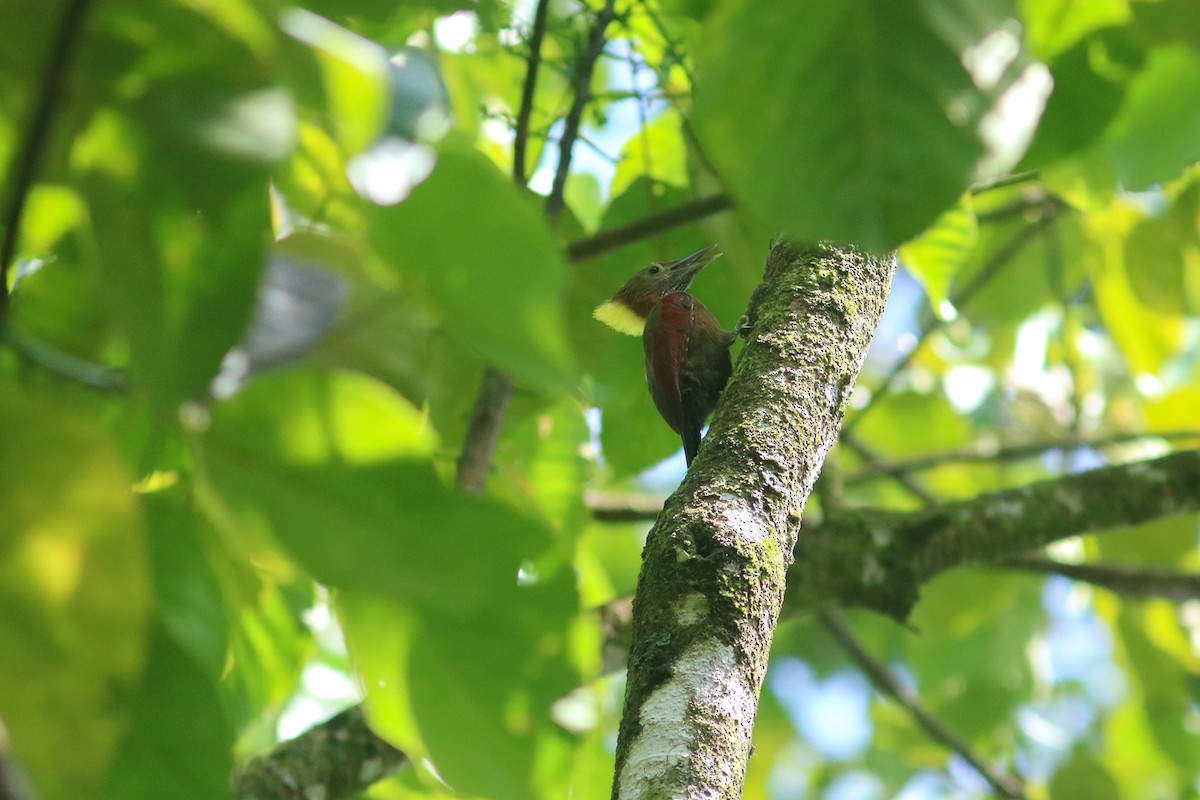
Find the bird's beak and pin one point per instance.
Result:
(687, 267)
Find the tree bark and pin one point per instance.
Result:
(715, 563)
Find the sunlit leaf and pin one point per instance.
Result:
(834, 120)
(1157, 132)
(481, 251)
(937, 255)
(74, 593)
(1052, 26)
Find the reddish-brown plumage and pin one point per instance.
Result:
(687, 364)
(686, 349)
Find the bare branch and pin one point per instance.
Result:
(644, 228)
(872, 458)
(27, 158)
(496, 390)
(1143, 581)
(889, 685)
(521, 138)
(484, 431)
(582, 86)
(982, 454)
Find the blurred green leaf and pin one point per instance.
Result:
(479, 248)
(1162, 257)
(1157, 132)
(321, 453)
(470, 692)
(1146, 338)
(1053, 26)
(190, 608)
(178, 740)
(355, 75)
(74, 593)
(833, 120)
(655, 153)
(937, 255)
(1166, 541)
(181, 288)
(1080, 107)
(1162, 678)
(1083, 776)
(988, 620)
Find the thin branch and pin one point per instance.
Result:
(959, 298)
(873, 459)
(582, 83)
(623, 507)
(484, 431)
(1143, 581)
(1004, 180)
(28, 157)
(62, 364)
(652, 225)
(521, 139)
(338, 758)
(977, 454)
(1018, 207)
(886, 682)
(833, 502)
(496, 390)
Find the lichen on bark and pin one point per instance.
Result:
(728, 532)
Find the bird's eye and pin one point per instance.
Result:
(654, 269)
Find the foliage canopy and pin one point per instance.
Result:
(255, 271)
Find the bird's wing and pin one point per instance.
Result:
(665, 343)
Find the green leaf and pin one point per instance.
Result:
(337, 466)
(1165, 541)
(655, 153)
(180, 287)
(480, 250)
(1162, 676)
(1147, 338)
(1053, 26)
(987, 619)
(1083, 776)
(74, 592)
(355, 75)
(833, 120)
(937, 255)
(1162, 255)
(190, 606)
(1157, 133)
(1080, 107)
(178, 741)
(470, 692)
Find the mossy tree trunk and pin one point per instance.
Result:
(715, 563)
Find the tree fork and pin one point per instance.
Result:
(715, 563)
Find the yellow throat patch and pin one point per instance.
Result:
(619, 316)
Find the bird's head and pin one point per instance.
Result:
(626, 311)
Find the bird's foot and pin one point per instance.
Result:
(743, 327)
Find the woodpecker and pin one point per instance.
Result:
(687, 350)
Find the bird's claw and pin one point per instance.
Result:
(743, 327)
